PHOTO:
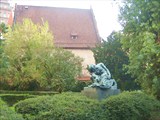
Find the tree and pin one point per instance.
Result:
(34, 62)
(24, 43)
(61, 69)
(3, 57)
(110, 52)
(141, 39)
(3, 28)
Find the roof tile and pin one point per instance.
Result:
(64, 22)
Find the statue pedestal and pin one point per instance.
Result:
(98, 93)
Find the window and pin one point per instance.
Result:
(74, 36)
(26, 7)
(4, 15)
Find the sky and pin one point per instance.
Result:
(105, 11)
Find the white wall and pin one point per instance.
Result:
(88, 57)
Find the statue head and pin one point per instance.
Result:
(91, 68)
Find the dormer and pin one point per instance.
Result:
(74, 36)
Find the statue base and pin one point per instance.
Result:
(99, 93)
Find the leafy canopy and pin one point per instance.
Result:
(141, 22)
(3, 58)
(110, 52)
(34, 62)
(23, 46)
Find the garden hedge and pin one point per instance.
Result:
(11, 99)
(131, 106)
(7, 113)
(65, 106)
(74, 106)
(29, 92)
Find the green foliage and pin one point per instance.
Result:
(3, 57)
(28, 92)
(131, 106)
(34, 63)
(66, 106)
(74, 106)
(141, 39)
(7, 113)
(79, 86)
(110, 53)
(155, 115)
(24, 45)
(11, 99)
(61, 69)
(3, 28)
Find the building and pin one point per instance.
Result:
(5, 12)
(73, 29)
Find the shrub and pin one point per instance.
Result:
(11, 99)
(7, 113)
(79, 86)
(65, 106)
(28, 92)
(130, 105)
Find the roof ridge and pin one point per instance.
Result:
(53, 7)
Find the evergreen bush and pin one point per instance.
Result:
(65, 106)
(11, 99)
(7, 113)
(74, 106)
(130, 106)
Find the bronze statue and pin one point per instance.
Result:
(101, 77)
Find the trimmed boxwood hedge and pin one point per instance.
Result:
(7, 113)
(11, 99)
(65, 106)
(74, 106)
(28, 92)
(130, 106)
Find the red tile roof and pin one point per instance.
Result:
(65, 23)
